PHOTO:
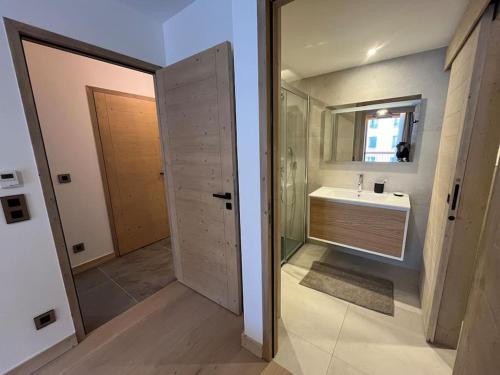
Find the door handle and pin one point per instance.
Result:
(455, 197)
(222, 196)
(451, 214)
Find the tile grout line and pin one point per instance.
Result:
(119, 286)
(338, 337)
(293, 333)
(333, 354)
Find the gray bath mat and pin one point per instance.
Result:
(364, 290)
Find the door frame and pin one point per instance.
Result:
(16, 33)
(269, 62)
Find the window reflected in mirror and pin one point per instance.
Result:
(377, 132)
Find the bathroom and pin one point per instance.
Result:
(360, 128)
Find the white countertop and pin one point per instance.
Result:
(365, 198)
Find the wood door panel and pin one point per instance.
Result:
(209, 144)
(376, 229)
(129, 135)
(204, 212)
(198, 132)
(193, 69)
(198, 122)
(457, 124)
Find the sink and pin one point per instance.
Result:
(365, 197)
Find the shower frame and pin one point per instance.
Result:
(289, 88)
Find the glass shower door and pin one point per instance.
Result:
(293, 144)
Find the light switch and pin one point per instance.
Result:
(15, 208)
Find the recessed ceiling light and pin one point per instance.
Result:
(372, 51)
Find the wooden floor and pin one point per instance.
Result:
(175, 331)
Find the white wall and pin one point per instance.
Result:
(247, 128)
(30, 278)
(202, 25)
(420, 73)
(63, 111)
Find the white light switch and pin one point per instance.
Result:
(10, 179)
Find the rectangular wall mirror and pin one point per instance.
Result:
(376, 132)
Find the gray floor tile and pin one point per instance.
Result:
(89, 279)
(102, 303)
(143, 272)
(108, 290)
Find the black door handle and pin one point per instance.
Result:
(455, 197)
(222, 196)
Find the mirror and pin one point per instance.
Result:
(375, 132)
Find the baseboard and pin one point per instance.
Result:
(92, 263)
(251, 345)
(41, 359)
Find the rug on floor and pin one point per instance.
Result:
(368, 291)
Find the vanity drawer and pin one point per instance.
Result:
(366, 228)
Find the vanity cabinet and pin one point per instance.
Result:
(367, 223)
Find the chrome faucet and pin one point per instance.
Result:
(360, 183)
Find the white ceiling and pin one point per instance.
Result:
(159, 10)
(320, 36)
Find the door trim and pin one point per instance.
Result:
(16, 33)
(100, 153)
(268, 19)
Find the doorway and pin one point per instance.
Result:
(104, 154)
(353, 110)
(200, 174)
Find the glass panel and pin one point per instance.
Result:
(283, 172)
(293, 164)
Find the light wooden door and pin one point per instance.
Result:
(198, 132)
(131, 156)
(453, 158)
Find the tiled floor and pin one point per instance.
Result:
(112, 288)
(320, 334)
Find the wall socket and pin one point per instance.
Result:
(79, 247)
(43, 320)
(64, 178)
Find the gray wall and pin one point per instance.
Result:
(420, 73)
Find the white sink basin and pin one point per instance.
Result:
(365, 198)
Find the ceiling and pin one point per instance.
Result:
(159, 10)
(321, 36)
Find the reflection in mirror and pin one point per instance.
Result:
(379, 131)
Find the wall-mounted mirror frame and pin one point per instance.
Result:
(379, 131)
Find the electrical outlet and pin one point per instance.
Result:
(43, 320)
(79, 247)
(64, 178)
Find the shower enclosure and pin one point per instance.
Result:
(293, 145)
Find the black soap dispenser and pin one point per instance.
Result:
(379, 187)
